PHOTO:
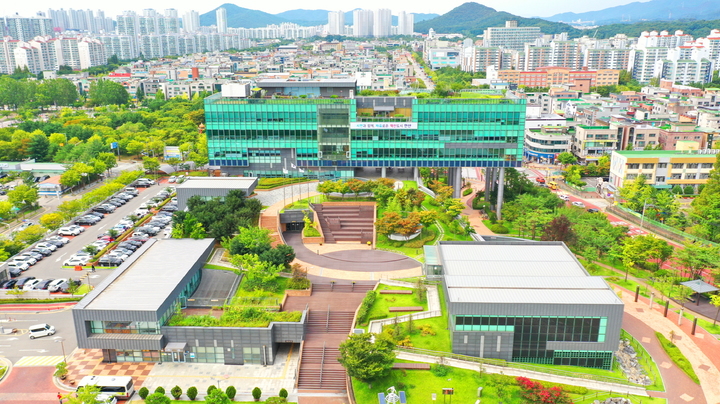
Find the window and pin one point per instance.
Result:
(691, 165)
(648, 166)
(662, 165)
(660, 179)
(633, 166)
(704, 176)
(631, 176)
(677, 176)
(706, 165)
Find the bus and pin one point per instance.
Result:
(553, 185)
(121, 387)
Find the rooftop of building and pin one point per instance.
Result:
(218, 182)
(528, 272)
(280, 83)
(147, 278)
(709, 153)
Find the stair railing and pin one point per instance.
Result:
(322, 364)
(327, 320)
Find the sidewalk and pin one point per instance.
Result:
(472, 214)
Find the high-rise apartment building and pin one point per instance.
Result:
(221, 17)
(382, 23)
(26, 28)
(191, 21)
(406, 23)
(510, 36)
(362, 23)
(7, 54)
(610, 58)
(336, 23)
(687, 64)
(652, 48)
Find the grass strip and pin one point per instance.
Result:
(677, 357)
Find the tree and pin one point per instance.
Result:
(39, 146)
(230, 392)
(106, 92)
(23, 196)
(367, 360)
(192, 392)
(151, 164)
(260, 274)
(176, 392)
(52, 221)
(5, 209)
(283, 393)
(566, 158)
(251, 240)
(559, 229)
(108, 159)
(715, 301)
(256, 393)
(134, 147)
(83, 395)
(697, 258)
(636, 193)
(140, 94)
(158, 398)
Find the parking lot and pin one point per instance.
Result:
(18, 345)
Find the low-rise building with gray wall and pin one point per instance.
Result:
(527, 302)
(127, 314)
(213, 187)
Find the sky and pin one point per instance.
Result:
(523, 8)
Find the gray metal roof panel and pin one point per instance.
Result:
(531, 282)
(533, 296)
(146, 282)
(218, 182)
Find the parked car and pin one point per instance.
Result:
(131, 191)
(22, 281)
(24, 226)
(109, 261)
(30, 260)
(82, 221)
(20, 265)
(43, 285)
(578, 204)
(148, 230)
(142, 237)
(128, 246)
(55, 285)
(56, 243)
(148, 180)
(75, 261)
(49, 246)
(169, 208)
(68, 231)
(44, 251)
(76, 227)
(60, 239)
(103, 209)
(32, 284)
(34, 258)
(172, 178)
(98, 215)
(10, 284)
(540, 180)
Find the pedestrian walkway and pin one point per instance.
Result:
(38, 361)
(472, 214)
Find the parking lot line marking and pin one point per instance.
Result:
(39, 361)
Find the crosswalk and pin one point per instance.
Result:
(39, 361)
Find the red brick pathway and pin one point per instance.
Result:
(29, 385)
(85, 362)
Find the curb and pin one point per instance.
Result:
(5, 362)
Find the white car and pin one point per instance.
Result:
(49, 246)
(68, 231)
(564, 197)
(79, 228)
(63, 240)
(141, 212)
(172, 178)
(29, 257)
(148, 180)
(30, 285)
(55, 285)
(25, 258)
(21, 265)
(100, 244)
(118, 254)
(578, 204)
(75, 261)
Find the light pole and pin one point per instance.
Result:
(62, 346)
(642, 217)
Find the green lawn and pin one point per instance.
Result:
(261, 297)
(419, 385)
(441, 341)
(649, 364)
(410, 184)
(379, 310)
(219, 267)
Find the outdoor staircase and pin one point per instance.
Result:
(346, 223)
(320, 372)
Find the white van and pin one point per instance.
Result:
(41, 330)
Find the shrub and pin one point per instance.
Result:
(160, 390)
(210, 389)
(467, 191)
(192, 393)
(689, 190)
(143, 392)
(680, 360)
(157, 398)
(256, 393)
(439, 370)
(365, 306)
(298, 283)
(231, 391)
(176, 392)
(492, 216)
(283, 393)
(275, 400)
(499, 229)
(677, 190)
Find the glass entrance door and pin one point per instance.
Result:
(178, 357)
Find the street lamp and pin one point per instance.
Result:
(642, 217)
(62, 346)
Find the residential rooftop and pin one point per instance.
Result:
(218, 182)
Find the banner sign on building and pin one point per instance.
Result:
(172, 151)
(383, 125)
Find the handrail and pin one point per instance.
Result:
(322, 363)
(517, 365)
(327, 320)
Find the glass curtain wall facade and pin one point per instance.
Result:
(329, 137)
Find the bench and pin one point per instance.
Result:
(403, 399)
(420, 366)
(381, 398)
(405, 308)
(395, 292)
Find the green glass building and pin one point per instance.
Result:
(321, 128)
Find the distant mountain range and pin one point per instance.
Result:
(664, 10)
(472, 18)
(247, 18)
